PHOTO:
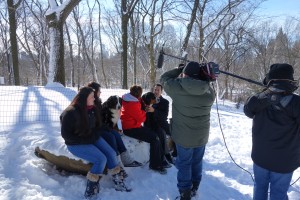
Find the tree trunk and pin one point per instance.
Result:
(190, 26)
(13, 39)
(56, 63)
(55, 21)
(71, 58)
(124, 50)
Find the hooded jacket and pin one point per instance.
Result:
(132, 115)
(192, 101)
(275, 133)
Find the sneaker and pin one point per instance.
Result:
(134, 164)
(166, 164)
(160, 170)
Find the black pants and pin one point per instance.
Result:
(156, 143)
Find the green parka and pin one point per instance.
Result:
(192, 101)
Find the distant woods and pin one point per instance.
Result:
(117, 42)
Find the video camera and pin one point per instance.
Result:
(209, 71)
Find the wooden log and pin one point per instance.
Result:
(63, 162)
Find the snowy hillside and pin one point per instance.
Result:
(28, 118)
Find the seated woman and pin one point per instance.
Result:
(80, 128)
(112, 137)
(132, 117)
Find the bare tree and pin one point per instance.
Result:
(127, 8)
(12, 8)
(34, 39)
(55, 21)
(101, 45)
(153, 12)
(190, 25)
(5, 49)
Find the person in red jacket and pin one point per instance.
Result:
(133, 114)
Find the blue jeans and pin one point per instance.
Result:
(189, 165)
(114, 139)
(279, 184)
(99, 154)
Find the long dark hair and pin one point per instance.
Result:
(96, 87)
(80, 103)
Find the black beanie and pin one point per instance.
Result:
(192, 69)
(279, 71)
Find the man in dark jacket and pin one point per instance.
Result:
(161, 112)
(275, 133)
(161, 108)
(192, 101)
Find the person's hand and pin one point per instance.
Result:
(181, 66)
(272, 97)
(149, 109)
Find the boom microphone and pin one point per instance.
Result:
(215, 68)
(160, 60)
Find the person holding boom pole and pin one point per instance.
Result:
(192, 98)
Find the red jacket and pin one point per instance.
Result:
(132, 115)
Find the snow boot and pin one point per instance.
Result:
(169, 158)
(123, 172)
(118, 180)
(166, 164)
(185, 194)
(160, 170)
(194, 189)
(92, 186)
(128, 161)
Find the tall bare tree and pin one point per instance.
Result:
(127, 8)
(154, 12)
(190, 26)
(101, 45)
(12, 8)
(55, 21)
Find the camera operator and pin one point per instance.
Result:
(275, 133)
(192, 100)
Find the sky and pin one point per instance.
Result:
(23, 176)
(281, 8)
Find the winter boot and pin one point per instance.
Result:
(194, 189)
(185, 194)
(118, 180)
(160, 170)
(123, 172)
(169, 158)
(92, 186)
(128, 161)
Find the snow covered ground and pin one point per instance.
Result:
(29, 118)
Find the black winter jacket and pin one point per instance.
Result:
(161, 112)
(71, 127)
(275, 134)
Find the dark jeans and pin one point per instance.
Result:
(156, 140)
(114, 139)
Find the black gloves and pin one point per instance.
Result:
(270, 96)
(181, 66)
